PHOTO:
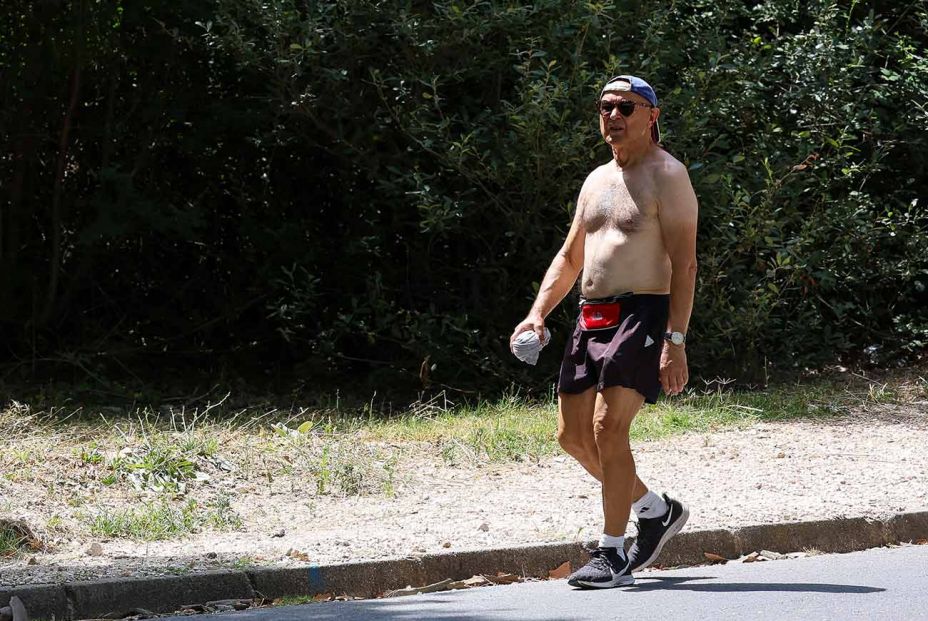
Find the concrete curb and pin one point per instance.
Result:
(82, 600)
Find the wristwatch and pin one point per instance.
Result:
(675, 338)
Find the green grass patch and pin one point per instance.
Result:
(162, 520)
(334, 461)
(508, 430)
(11, 542)
(720, 409)
(514, 430)
(160, 462)
(294, 600)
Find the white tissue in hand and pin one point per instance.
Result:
(526, 346)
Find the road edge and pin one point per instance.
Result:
(82, 600)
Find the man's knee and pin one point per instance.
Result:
(610, 432)
(575, 441)
(612, 419)
(611, 437)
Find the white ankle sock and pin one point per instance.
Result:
(608, 541)
(650, 506)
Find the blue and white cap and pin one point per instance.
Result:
(634, 84)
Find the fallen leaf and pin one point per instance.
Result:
(715, 558)
(323, 597)
(921, 542)
(502, 578)
(469, 583)
(560, 572)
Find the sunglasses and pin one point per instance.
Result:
(626, 107)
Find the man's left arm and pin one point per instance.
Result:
(678, 213)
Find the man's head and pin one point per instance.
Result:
(628, 110)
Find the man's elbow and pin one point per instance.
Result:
(570, 261)
(687, 267)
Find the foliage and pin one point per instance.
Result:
(161, 520)
(288, 189)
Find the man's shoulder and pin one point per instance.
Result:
(667, 167)
(602, 170)
(597, 175)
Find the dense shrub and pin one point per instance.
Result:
(309, 188)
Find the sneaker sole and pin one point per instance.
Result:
(675, 528)
(617, 582)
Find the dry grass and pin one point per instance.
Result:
(148, 474)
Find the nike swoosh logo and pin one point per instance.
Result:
(628, 562)
(667, 521)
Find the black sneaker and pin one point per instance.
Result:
(607, 568)
(653, 533)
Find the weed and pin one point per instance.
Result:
(91, 455)
(16, 419)
(161, 463)
(336, 463)
(881, 393)
(11, 542)
(243, 562)
(222, 516)
(161, 520)
(294, 600)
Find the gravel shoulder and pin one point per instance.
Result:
(868, 463)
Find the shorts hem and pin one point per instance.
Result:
(603, 385)
(573, 390)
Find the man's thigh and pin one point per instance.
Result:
(575, 412)
(616, 408)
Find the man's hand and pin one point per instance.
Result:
(535, 323)
(674, 373)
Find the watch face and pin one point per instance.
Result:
(677, 338)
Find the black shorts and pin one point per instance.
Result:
(628, 354)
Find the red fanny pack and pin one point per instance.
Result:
(600, 316)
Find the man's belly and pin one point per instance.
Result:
(629, 265)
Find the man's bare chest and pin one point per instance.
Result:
(619, 205)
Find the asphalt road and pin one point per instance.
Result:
(882, 583)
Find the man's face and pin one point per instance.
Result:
(617, 128)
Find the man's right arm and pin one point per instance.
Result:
(560, 277)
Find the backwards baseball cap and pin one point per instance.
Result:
(633, 84)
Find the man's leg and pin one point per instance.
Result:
(605, 420)
(575, 433)
(612, 420)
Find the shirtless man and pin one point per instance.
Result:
(634, 237)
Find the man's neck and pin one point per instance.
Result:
(629, 155)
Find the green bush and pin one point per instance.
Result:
(291, 189)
